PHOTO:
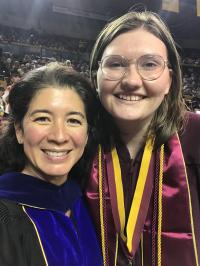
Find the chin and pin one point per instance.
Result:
(126, 118)
(57, 178)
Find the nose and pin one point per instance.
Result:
(58, 133)
(132, 78)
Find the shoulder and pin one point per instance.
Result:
(191, 125)
(12, 215)
(14, 220)
(9, 209)
(19, 242)
(189, 138)
(192, 120)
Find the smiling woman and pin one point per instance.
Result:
(147, 166)
(52, 116)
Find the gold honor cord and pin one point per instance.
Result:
(116, 249)
(38, 235)
(103, 244)
(119, 191)
(137, 199)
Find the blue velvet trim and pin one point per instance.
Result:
(32, 191)
(66, 243)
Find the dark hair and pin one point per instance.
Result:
(12, 157)
(169, 116)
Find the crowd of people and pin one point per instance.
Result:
(15, 66)
(35, 38)
(191, 78)
(50, 48)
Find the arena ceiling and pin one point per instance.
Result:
(184, 24)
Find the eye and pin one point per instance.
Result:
(113, 63)
(150, 62)
(148, 65)
(74, 121)
(42, 119)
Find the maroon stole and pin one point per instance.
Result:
(161, 213)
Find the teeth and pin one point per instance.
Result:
(130, 97)
(56, 153)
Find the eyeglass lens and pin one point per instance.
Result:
(149, 67)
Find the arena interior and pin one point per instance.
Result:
(35, 32)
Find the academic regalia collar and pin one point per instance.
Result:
(28, 190)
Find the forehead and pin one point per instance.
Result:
(136, 43)
(55, 97)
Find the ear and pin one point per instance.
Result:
(19, 133)
(168, 86)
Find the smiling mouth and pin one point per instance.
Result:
(130, 98)
(56, 154)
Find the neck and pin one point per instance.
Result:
(133, 135)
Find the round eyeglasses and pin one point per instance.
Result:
(149, 67)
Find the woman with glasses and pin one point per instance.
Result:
(145, 178)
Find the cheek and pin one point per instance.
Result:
(80, 138)
(159, 87)
(33, 135)
(164, 83)
(105, 87)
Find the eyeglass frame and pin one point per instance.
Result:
(135, 62)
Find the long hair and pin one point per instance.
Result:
(169, 116)
(12, 157)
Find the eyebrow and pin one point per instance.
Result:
(48, 112)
